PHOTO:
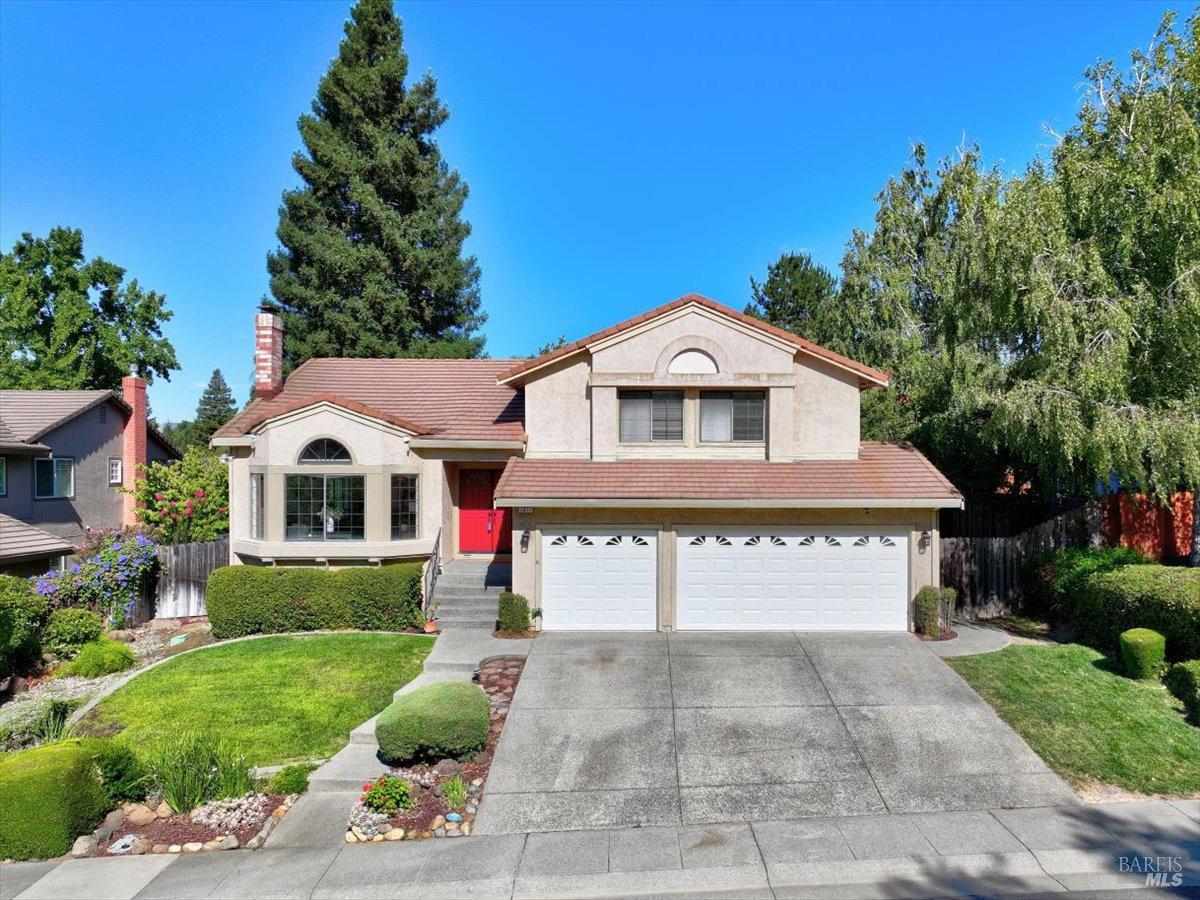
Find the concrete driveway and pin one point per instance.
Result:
(616, 729)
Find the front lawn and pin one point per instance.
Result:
(1086, 720)
(281, 698)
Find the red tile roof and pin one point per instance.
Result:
(873, 375)
(882, 472)
(454, 399)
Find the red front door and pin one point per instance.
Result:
(481, 527)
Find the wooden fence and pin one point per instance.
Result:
(986, 571)
(183, 571)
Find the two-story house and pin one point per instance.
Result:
(690, 468)
(64, 458)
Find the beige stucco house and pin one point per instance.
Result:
(690, 468)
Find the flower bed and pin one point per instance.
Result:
(426, 812)
(138, 828)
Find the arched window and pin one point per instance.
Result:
(692, 362)
(325, 450)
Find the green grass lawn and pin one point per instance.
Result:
(1086, 720)
(281, 698)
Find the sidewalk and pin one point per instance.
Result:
(1015, 851)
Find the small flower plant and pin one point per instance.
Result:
(108, 580)
(387, 794)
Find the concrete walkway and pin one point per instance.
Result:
(319, 817)
(973, 637)
(1017, 851)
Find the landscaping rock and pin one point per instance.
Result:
(396, 834)
(439, 832)
(447, 768)
(85, 845)
(351, 838)
(140, 846)
(174, 848)
(192, 846)
(438, 822)
(214, 844)
(228, 842)
(160, 848)
(114, 820)
(103, 833)
(466, 829)
(140, 815)
(122, 846)
(163, 811)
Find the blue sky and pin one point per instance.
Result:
(618, 155)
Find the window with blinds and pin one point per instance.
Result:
(651, 415)
(732, 416)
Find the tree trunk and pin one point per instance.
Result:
(1194, 556)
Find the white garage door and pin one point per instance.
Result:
(599, 579)
(813, 580)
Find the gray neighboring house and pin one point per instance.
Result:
(64, 456)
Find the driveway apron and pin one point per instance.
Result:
(618, 729)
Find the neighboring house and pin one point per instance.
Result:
(690, 468)
(64, 456)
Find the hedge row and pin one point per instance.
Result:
(260, 600)
(23, 614)
(1163, 598)
(48, 797)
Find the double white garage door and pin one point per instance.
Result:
(727, 579)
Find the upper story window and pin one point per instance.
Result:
(54, 478)
(651, 415)
(324, 450)
(732, 416)
(116, 471)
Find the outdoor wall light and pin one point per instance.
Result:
(525, 541)
(925, 541)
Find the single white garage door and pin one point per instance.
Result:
(808, 581)
(599, 579)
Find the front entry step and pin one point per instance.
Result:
(467, 594)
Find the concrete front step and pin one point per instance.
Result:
(348, 770)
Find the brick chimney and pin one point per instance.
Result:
(268, 355)
(133, 454)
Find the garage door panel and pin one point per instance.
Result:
(599, 579)
(798, 580)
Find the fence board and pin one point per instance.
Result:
(183, 571)
(986, 571)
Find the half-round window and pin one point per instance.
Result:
(692, 362)
(325, 450)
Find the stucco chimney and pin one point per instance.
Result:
(133, 454)
(268, 355)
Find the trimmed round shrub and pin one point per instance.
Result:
(446, 719)
(24, 612)
(927, 612)
(70, 628)
(102, 657)
(292, 779)
(1163, 598)
(48, 797)
(1183, 680)
(1143, 651)
(513, 613)
(245, 600)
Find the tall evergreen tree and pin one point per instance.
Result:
(216, 406)
(799, 296)
(371, 262)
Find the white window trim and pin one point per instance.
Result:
(54, 460)
(120, 471)
(416, 535)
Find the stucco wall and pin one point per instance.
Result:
(827, 411)
(812, 407)
(923, 556)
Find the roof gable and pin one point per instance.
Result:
(524, 370)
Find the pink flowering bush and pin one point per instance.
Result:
(186, 500)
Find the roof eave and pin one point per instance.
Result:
(737, 503)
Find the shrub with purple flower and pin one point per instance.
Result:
(109, 580)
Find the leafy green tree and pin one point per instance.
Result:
(371, 262)
(71, 323)
(551, 346)
(800, 296)
(1045, 327)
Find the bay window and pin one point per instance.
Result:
(732, 416)
(324, 507)
(651, 415)
(404, 507)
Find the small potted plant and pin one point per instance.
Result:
(431, 624)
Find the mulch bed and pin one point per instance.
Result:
(180, 829)
(498, 678)
(947, 635)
